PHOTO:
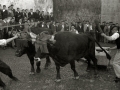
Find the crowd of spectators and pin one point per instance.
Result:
(27, 19)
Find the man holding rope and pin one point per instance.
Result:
(3, 42)
(116, 61)
(4, 68)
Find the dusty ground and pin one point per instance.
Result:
(45, 80)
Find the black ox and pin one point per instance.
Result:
(26, 46)
(70, 47)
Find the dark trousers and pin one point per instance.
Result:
(5, 69)
(1, 34)
(98, 36)
(5, 34)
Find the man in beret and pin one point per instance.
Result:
(116, 62)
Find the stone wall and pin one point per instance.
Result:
(73, 10)
(110, 11)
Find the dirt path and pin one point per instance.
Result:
(45, 80)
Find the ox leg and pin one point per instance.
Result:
(4, 68)
(48, 62)
(95, 64)
(12, 77)
(38, 66)
(89, 65)
(72, 63)
(58, 73)
(32, 65)
(2, 84)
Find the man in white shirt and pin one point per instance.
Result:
(3, 42)
(86, 27)
(74, 30)
(4, 68)
(116, 61)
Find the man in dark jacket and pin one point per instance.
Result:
(13, 9)
(36, 15)
(4, 12)
(17, 15)
(0, 11)
(23, 14)
(31, 14)
(80, 27)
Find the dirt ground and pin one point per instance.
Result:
(45, 80)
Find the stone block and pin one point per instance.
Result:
(101, 56)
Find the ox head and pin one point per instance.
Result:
(22, 43)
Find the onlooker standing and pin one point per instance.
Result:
(1, 29)
(92, 29)
(27, 26)
(51, 16)
(36, 15)
(111, 26)
(42, 16)
(48, 24)
(31, 14)
(66, 27)
(73, 30)
(39, 13)
(23, 14)
(26, 12)
(10, 12)
(24, 19)
(17, 15)
(97, 33)
(62, 26)
(86, 26)
(57, 27)
(13, 10)
(4, 12)
(5, 23)
(106, 31)
(0, 11)
(103, 25)
(47, 16)
(42, 24)
(76, 25)
(110, 33)
(20, 27)
(11, 29)
(80, 27)
(117, 26)
(53, 27)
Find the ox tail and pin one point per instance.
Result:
(107, 55)
(100, 30)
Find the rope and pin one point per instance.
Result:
(16, 25)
